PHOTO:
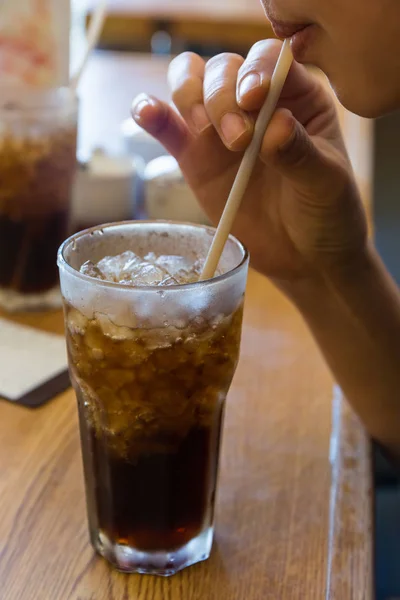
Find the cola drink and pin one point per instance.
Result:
(37, 167)
(151, 374)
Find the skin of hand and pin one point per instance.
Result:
(301, 214)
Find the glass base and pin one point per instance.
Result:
(130, 560)
(13, 301)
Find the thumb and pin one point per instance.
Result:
(291, 151)
(162, 122)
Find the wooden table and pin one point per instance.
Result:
(229, 24)
(294, 509)
(289, 524)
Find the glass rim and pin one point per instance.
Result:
(63, 263)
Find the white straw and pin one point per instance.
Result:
(246, 167)
(93, 35)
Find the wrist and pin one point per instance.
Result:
(356, 270)
(315, 293)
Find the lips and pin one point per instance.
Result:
(286, 30)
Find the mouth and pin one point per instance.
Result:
(285, 30)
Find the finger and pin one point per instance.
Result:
(234, 126)
(185, 78)
(255, 75)
(162, 122)
(288, 147)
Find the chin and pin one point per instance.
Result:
(365, 102)
(357, 90)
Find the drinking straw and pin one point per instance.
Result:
(246, 167)
(93, 35)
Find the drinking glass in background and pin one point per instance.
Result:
(167, 195)
(106, 189)
(151, 366)
(37, 166)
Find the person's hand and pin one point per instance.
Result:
(301, 213)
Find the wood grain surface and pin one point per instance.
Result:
(350, 572)
(274, 523)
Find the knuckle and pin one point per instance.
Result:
(220, 79)
(217, 93)
(224, 59)
(183, 59)
(188, 56)
(184, 66)
(255, 64)
(261, 58)
(187, 90)
(263, 46)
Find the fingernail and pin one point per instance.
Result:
(251, 82)
(200, 118)
(233, 126)
(139, 103)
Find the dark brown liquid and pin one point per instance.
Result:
(159, 502)
(28, 249)
(150, 420)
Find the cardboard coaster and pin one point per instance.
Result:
(33, 364)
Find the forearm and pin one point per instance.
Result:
(354, 316)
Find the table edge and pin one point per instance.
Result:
(351, 527)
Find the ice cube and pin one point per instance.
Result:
(173, 264)
(150, 257)
(169, 280)
(92, 270)
(77, 322)
(185, 276)
(119, 268)
(129, 269)
(116, 332)
(179, 268)
(148, 274)
(197, 266)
